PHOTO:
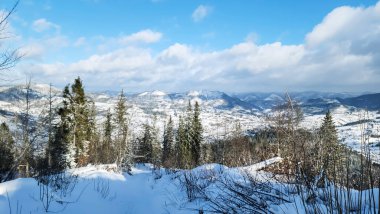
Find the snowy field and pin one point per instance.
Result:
(105, 191)
(99, 189)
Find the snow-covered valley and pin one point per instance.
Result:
(105, 189)
(221, 113)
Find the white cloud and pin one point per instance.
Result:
(201, 12)
(41, 25)
(342, 53)
(33, 51)
(178, 67)
(145, 36)
(38, 48)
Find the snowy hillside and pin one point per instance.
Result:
(220, 112)
(100, 189)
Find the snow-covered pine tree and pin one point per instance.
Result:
(184, 137)
(144, 152)
(6, 152)
(156, 147)
(168, 143)
(330, 150)
(93, 136)
(107, 154)
(123, 149)
(196, 132)
(189, 134)
(59, 148)
(77, 112)
(53, 160)
(179, 140)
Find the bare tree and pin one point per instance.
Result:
(26, 130)
(8, 58)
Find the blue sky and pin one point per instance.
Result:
(235, 46)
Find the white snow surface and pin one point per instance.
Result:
(137, 192)
(102, 189)
(261, 165)
(158, 93)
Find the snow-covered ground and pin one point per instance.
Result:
(97, 191)
(101, 189)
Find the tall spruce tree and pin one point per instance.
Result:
(123, 149)
(196, 131)
(156, 147)
(189, 124)
(183, 146)
(58, 140)
(65, 130)
(330, 150)
(76, 111)
(58, 149)
(168, 143)
(93, 136)
(145, 148)
(107, 146)
(6, 153)
(179, 138)
(189, 134)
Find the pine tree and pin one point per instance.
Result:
(6, 152)
(81, 121)
(330, 151)
(167, 152)
(107, 151)
(55, 158)
(189, 124)
(93, 136)
(64, 135)
(179, 138)
(145, 146)
(76, 113)
(188, 141)
(123, 149)
(196, 131)
(58, 149)
(156, 147)
(183, 147)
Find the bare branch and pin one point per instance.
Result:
(8, 58)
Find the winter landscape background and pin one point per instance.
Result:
(164, 106)
(355, 116)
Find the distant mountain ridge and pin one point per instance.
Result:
(367, 101)
(311, 102)
(220, 111)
